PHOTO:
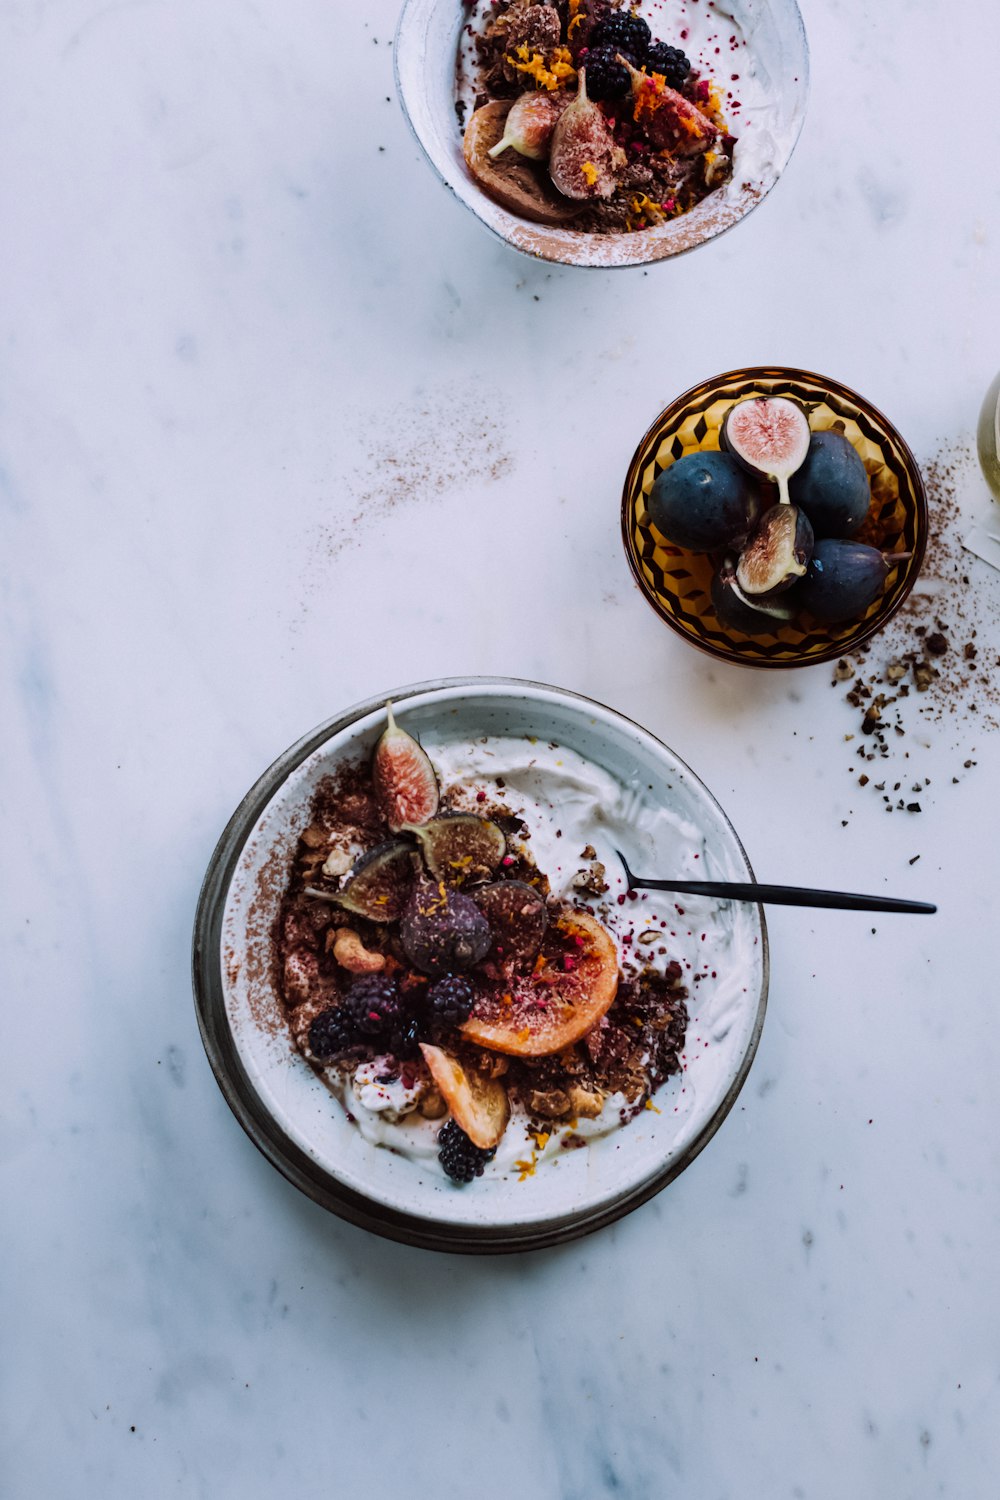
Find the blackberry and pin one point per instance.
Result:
(451, 999)
(670, 62)
(460, 1158)
(607, 78)
(625, 33)
(331, 1033)
(372, 1002)
(405, 1037)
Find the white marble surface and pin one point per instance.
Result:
(280, 426)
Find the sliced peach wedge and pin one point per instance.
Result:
(574, 981)
(478, 1105)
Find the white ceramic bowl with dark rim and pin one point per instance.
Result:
(769, 124)
(285, 1107)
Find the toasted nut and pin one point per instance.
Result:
(550, 1104)
(432, 1106)
(337, 862)
(314, 837)
(585, 1102)
(351, 953)
(492, 1065)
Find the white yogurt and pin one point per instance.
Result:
(568, 805)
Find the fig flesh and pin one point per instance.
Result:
(406, 787)
(844, 578)
(669, 121)
(770, 436)
(518, 919)
(461, 847)
(442, 931)
(739, 612)
(778, 552)
(571, 986)
(704, 501)
(379, 885)
(479, 1106)
(530, 124)
(584, 159)
(832, 485)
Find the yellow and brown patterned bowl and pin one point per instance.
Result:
(678, 583)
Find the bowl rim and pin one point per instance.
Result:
(302, 1170)
(544, 248)
(748, 375)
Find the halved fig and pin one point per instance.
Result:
(405, 784)
(461, 847)
(380, 884)
(669, 121)
(517, 184)
(518, 920)
(442, 931)
(777, 553)
(573, 983)
(478, 1105)
(739, 611)
(529, 125)
(770, 436)
(584, 159)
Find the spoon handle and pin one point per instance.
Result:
(779, 895)
(786, 895)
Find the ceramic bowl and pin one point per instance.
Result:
(677, 583)
(426, 50)
(284, 1105)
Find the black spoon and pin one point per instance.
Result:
(777, 895)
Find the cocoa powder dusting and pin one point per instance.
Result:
(933, 671)
(416, 454)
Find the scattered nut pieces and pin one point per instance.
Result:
(432, 1106)
(585, 1102)
(549, 1104)
(843, 670)
(337, 862)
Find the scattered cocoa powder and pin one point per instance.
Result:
(932, 670)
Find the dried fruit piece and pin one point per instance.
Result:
(844, 578)
(584, 159)
(442, 931)
(769, 435)
(478, 1105)
(405, 784)
(530, 124)
(557, 1003)
(518, 918)
(740, 612)
(459, 847)
(704, 501)
(511, 180)
(380, 885)
(777, 553)
(832, 485)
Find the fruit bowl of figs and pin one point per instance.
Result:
(774, 517)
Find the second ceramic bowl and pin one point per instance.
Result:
(775, 81)
(677, 583)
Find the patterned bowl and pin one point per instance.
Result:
(677, 583)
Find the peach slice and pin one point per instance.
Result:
(479, 1105)
(574, 982)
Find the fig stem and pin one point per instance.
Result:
(388, 710)
(501, 145)
(893, 559)
(784, 498)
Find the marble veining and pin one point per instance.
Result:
(281, 426)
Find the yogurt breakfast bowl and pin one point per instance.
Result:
(580, 778)
(754, 50)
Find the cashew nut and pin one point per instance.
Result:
(352, 955)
